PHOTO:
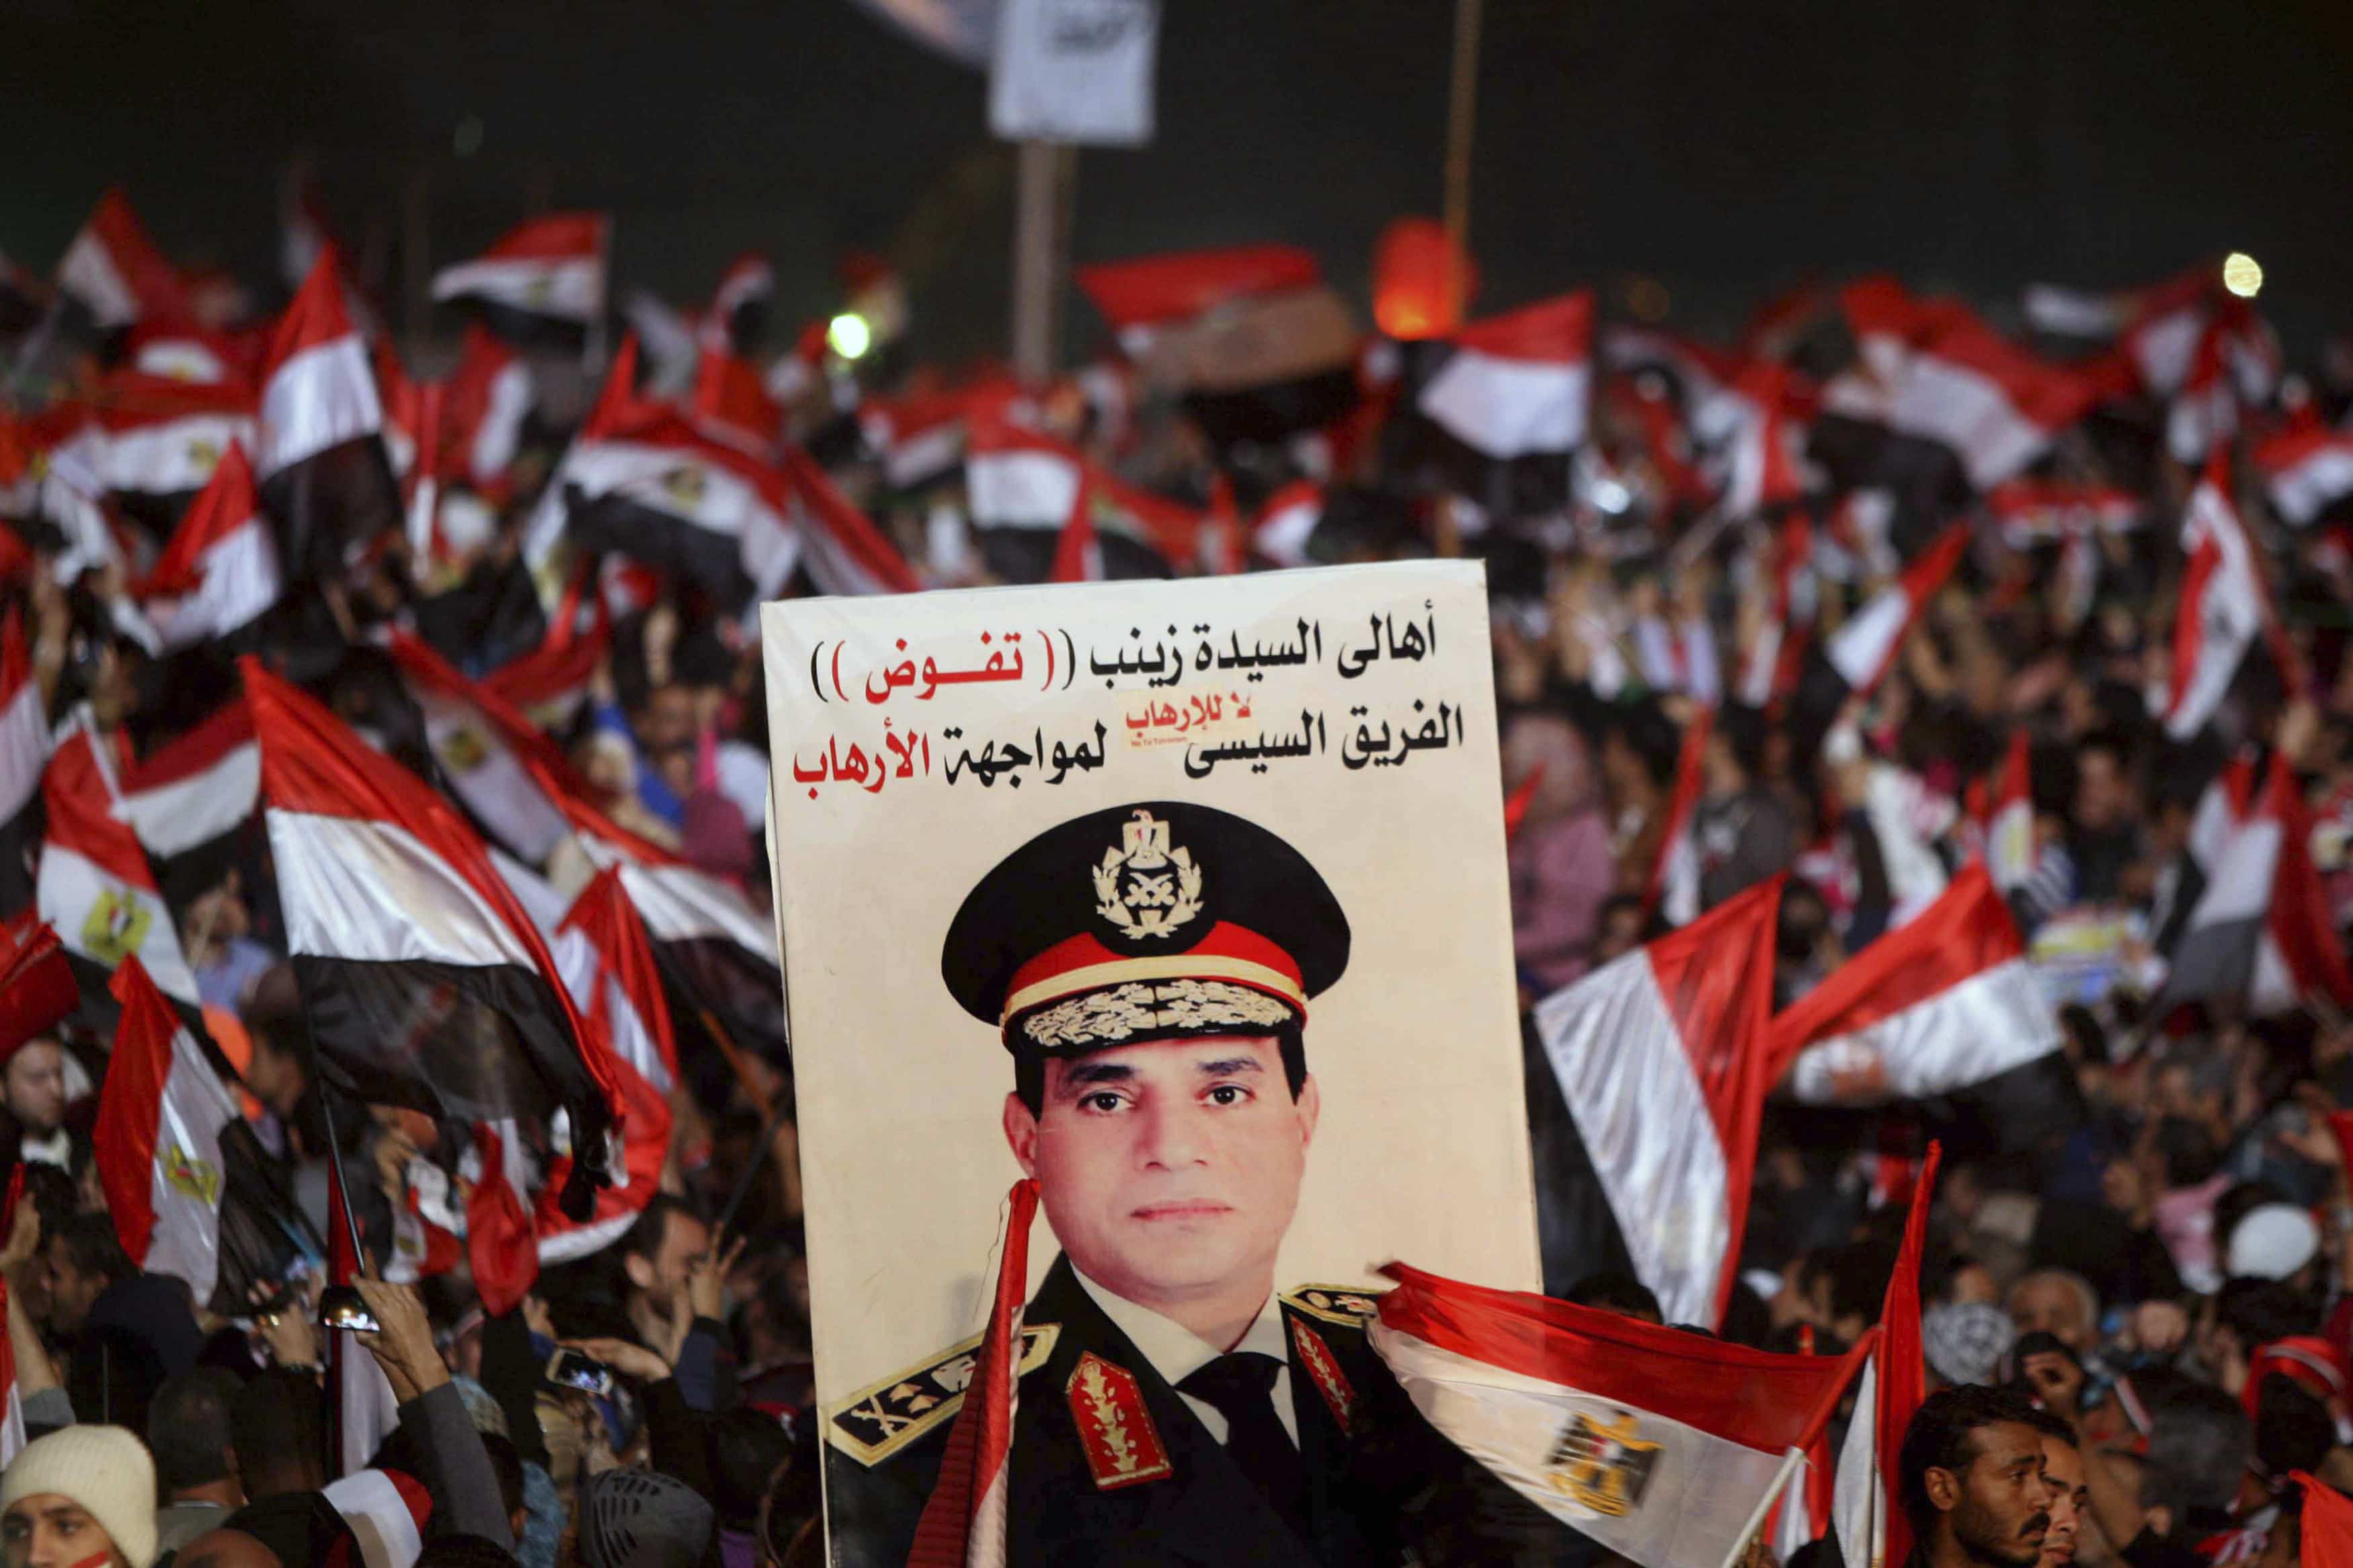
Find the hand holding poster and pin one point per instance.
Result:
(1063, 874)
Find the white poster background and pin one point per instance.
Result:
(1422, 1152)
(1074, 70)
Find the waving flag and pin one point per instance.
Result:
(158, 1140)
(609, 968)
(1867, 1504)
(2223, 610)
(23, 754)
(95, 886)
(153, 442)
(2260, 928)
(190, 800)
(543, 280)
(1041, 511)
(2308, 470)
(427, 985)
(1672, 890)
(1513, 390)
(1865, 646)
(841, 549)
(218, 572)
(963, 1520)
(365, 1411)
(1661, 1446)
(488, 398)
(2010, 824)
(491, 757)
(1944, 1002)
(114, 270)
(548, 684)
(36, 981)
(1660, 1056)
(319, 454)
(502, 1249)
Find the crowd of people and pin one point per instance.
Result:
(2132, 1292)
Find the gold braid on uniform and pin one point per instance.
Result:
(1122, 1012)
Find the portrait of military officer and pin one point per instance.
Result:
(1150, 970)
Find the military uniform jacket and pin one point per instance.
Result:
(1109, 1465)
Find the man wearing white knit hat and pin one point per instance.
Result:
(84, 1497)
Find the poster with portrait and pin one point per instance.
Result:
(1187, 899)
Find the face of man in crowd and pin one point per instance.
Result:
(2102, 795)
(1997, 1506)
(2045, 1305)
(49, 1530)
(663, 1276)
(1169, 1170)
(73, 1293)
(34, 1082)
(2063, 1473)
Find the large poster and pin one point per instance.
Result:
(1187, 899)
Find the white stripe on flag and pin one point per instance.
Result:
(171, 456)
(368, 890)
(1020, 489)
(678, 903)
(23, 749)
(174, 817)
(569, 290)
(1627, 1078)
(1509, 407)
(2301, 491)
(1856, 1503)
(487, 775)
(100, 917)
(1859, 651)
(1994, 1020)
(90, 275)
(319, 397)
(1695, 1503)
(195, 1107)
(239, 581)
(379, 1519)
(1969, 411)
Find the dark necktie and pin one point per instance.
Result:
(1240, 1387)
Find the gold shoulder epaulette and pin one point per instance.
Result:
(1350, 1306)
(877, 1421)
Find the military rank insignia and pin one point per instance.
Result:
(1604, 1464)
(1341, 1304)
(1122, 1446)
(1323, 1371)
(877, 1421)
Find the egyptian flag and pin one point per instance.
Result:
(2010, 821)
(715, 947)
(2222, 610)
(158, 442)
(365, 1411)
(1257, 342)
(2327, 1523)
(1671, 891)
(1853, 660)
(1042, 513)
(190, 801)
(1757, 426)
(37, 987)
(2260, 928)
(1937, 404)
(642, 482)
(739, 306)
(728, 405)
(320, 458)
(1770, 664)
(542, 283)
(1504, 402)
(184, 352)
(1867, 1504)
(1944, 1003)
(919, 438)
(388, 1511)
(2308, 470)
(96, 887)
(608, 966)
(484, 405)
(963, 1523)
(114, 271)
(502, 1247)
(24, 746)
(427, 985)
(841, 549)
(159, 1142)
(491, 758)
(1661, 1446)
(217, 573)
(549, 684)
(1286, 525)
(1660, 1057)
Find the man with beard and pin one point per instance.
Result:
(1971, 1472)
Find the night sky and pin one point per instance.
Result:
(1722, 148)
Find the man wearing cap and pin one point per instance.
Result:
(1149, 969)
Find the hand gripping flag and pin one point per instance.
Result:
(608, 966)
(1867, 1504)
(963, 1521)
(1663, 1446)
(425, 982)
(1660, 1056)
(1944, 1002)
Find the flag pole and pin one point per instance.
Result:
(1040, 231)
(1461, 120)
(1790, 1464)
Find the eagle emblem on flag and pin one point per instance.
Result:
(117, 927)
(684, 484)
(204, 454)
(200, 1179)
(1144, 886)
(1603, 1464)
(462, 750)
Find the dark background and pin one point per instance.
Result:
(1722, 148)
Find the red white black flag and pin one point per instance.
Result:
(543, 280)
(319, 454)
